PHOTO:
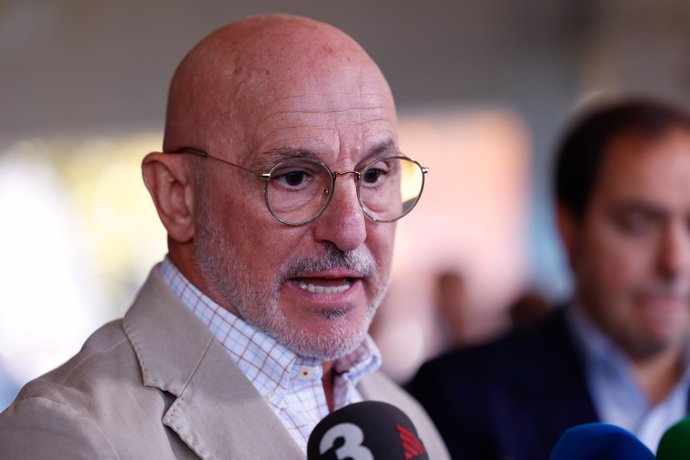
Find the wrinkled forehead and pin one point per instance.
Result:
(323, 97)
(317, 86)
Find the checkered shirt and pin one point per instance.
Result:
(290, 384)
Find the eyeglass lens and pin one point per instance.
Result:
(299, 190)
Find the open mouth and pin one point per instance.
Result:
(323, 285)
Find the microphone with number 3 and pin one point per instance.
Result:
(368, 430)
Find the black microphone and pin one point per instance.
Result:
(368, 430)
(599, 441)
(675, 442)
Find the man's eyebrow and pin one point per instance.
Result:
(271, 157)
(639, 206)
(383, 148)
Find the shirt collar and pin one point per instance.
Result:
(591, 341)
(595, 346)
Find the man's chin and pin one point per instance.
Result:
(325, 334)
(323, 346)
(654, 344)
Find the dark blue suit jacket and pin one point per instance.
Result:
(511, 399)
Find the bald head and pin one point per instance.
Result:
(239, 75)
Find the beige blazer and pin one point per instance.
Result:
(158, 385)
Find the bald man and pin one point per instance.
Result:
(279, 185)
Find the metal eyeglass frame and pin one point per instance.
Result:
(266, 176)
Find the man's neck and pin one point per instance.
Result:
(657, 375)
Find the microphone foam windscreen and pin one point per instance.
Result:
(368, 430)
(675, 443)
(599, 441)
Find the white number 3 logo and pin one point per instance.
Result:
(352, 447)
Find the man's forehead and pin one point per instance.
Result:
(330, 83)
(292, 86)
(323, 109)
(637, 153)
(320, 114)
(655, 172)
(268, 158)
(330, 144)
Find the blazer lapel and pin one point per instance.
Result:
(217, 412)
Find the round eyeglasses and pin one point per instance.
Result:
(298, 190)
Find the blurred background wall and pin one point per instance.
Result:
(483, 91)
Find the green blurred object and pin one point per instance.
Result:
(675, 443)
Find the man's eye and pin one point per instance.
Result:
(635, 222)
(373, 175)
(294, 178)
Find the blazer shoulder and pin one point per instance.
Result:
(43, 428)
(103, 354)
(92, 385)
(85, 408)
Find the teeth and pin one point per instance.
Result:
(323, 289)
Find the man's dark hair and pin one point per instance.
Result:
(582, 151)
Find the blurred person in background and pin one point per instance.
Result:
(528, 308)
(451, 304)
(618, 353)
(455, 314)
(279, 186)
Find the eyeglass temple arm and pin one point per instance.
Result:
(202, 154)
(193, 151)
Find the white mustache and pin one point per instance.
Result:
(362, 264)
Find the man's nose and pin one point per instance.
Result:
(343, 222)
(674, 251)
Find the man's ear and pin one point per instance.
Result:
(567, 227)
(171, 188)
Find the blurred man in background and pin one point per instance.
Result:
(618, 353)
(279, 185)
